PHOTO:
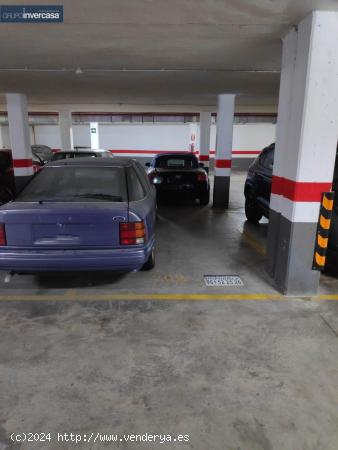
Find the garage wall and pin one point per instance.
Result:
(47, 135)
(81, 135)
(144, 140)
(144, 136)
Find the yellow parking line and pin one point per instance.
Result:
(75, 297)
(68, 296)
(326, 297)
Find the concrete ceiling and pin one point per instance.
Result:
(152, 52)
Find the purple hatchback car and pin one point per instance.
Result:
(81, 214)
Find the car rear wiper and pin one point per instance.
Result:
(112, 198)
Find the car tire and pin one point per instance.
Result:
(205, 198)
(252, 210)
(150, 264)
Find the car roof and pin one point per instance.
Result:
(175, 154)
(83, 150)
(92, 162)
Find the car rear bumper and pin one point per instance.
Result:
(124, 260)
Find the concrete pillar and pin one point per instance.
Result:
(94, 136)
(307, 131)
(66, 130)
(19, 138)
(223, 155)
(205, 124)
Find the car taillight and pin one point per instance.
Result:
(132, 233)
(202, 177)
(2, 235)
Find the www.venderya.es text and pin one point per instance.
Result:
(76, 438)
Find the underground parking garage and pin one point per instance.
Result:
(168, 225)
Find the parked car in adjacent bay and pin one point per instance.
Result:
(257, 193)
(7, 184)
(81, 214)
(84, 153)
(257, 187)
(179, 173)
(7, 181)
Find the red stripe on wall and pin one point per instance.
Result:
(299, 191)
(204, 157)
(246, 152)
(223, 163)
(212, 152)
(19, 163)
(148, 152)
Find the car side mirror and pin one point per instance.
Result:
(147, 164)
(200, 164)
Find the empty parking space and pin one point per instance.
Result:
(247, 375)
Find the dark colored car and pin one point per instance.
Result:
(179, 173)
(7, 181)
(81, 214)
(7, 184)
(257, 193)
(84, 153)
(257, 188)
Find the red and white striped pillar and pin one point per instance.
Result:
(205, 124)
(307, 131)
(223, 155)
(19, 138)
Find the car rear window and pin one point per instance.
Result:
(59, 156)
(136, 190)
(73, 184)
(177, 162)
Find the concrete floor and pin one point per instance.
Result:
(236, 374)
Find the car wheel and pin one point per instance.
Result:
(150, 264)
(252, 210)
(205, 198)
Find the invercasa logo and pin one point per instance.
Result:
(31, 14)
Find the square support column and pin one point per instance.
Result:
(66, 130)
(19, 138)
(205, 125)
(223, 156)
(305, 150)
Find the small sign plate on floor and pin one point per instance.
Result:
(223, 280)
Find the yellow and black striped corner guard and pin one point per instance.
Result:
(323, 230)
